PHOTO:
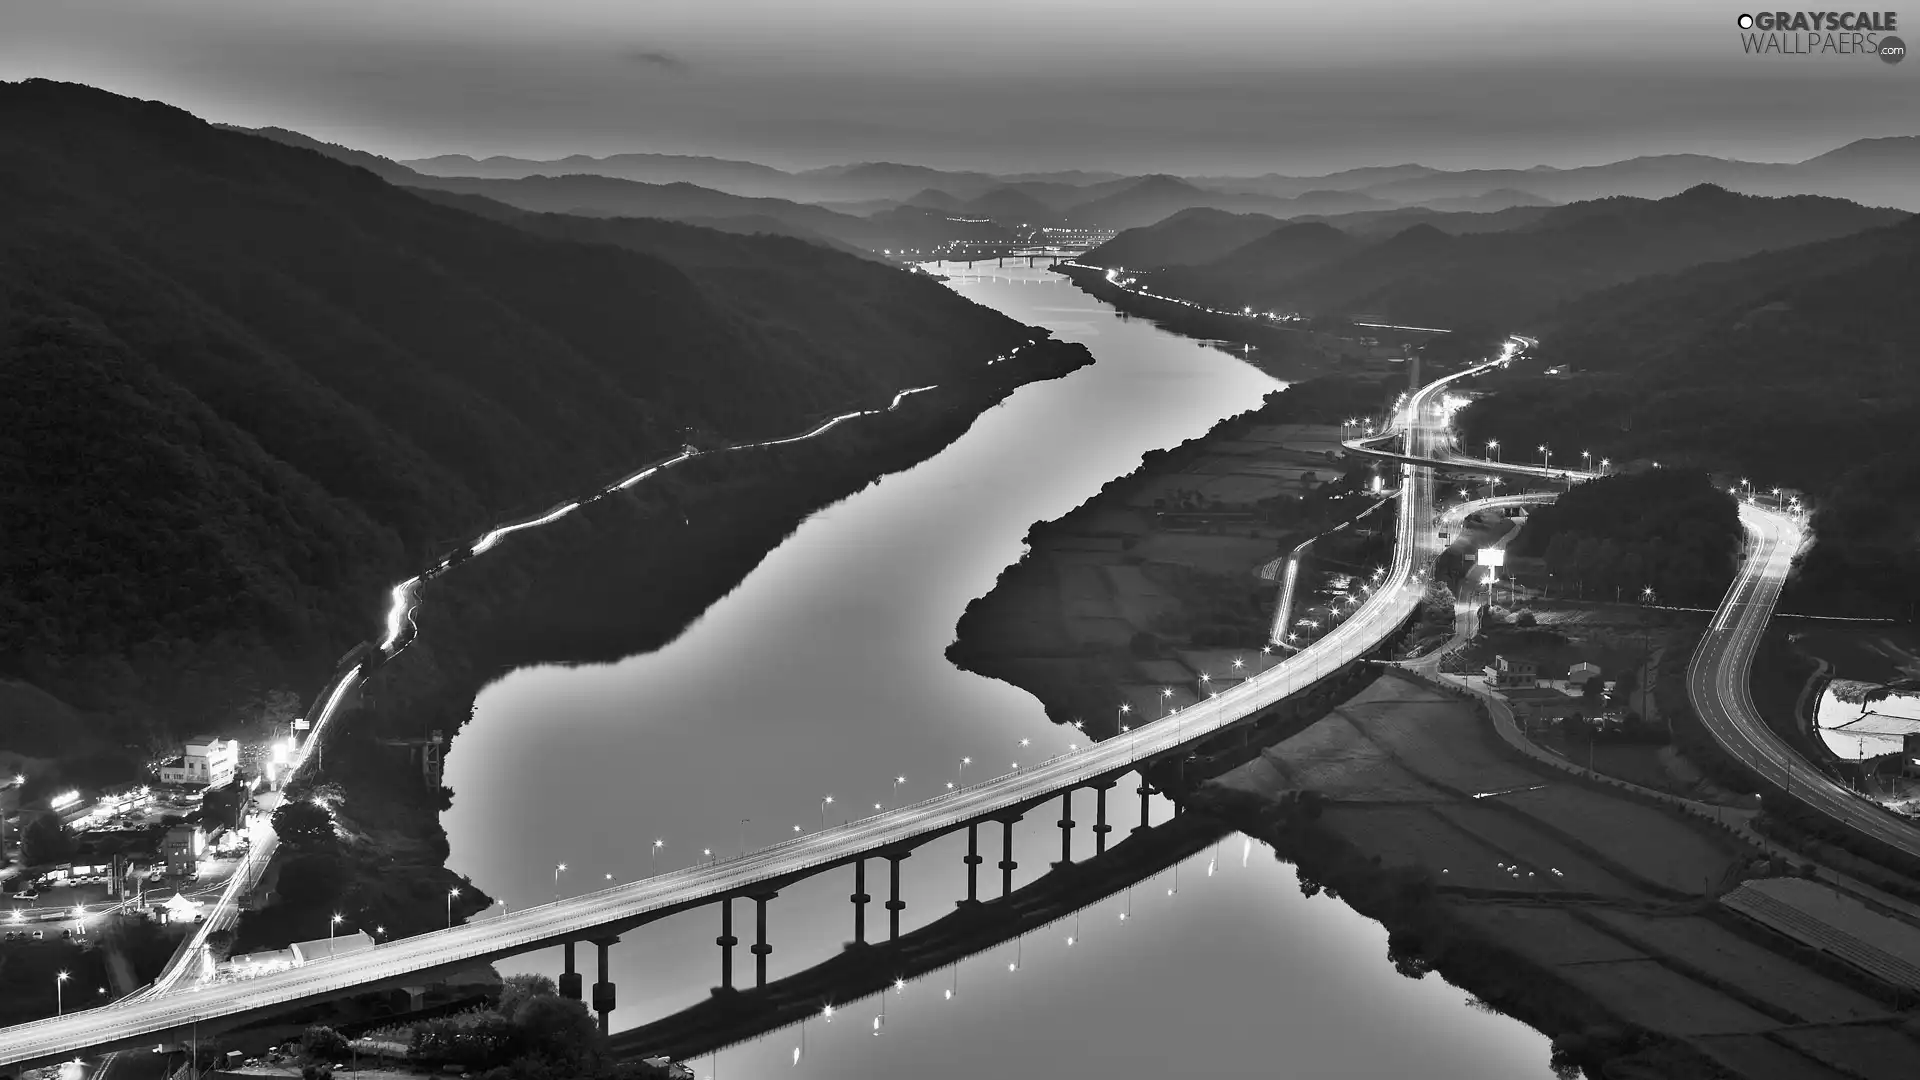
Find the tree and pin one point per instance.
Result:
(322, 1043)
(559, 1029)
(46, 841)
(301, 824)
(519, 989)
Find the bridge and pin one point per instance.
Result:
(175, 1009)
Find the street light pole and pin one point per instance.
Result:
(59, 999)
(331, 926)
(451, 893)
(824, 803)
(558, 869)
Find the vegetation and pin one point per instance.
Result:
(303, 824)
(248, 387)
(1793, 368)
(1512, 278)
(1668, 530)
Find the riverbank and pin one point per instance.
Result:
(624, 575)
(1162, 585)
(1573, 907)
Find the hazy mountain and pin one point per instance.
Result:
(1427, 277)
(384, 168)
(1283, 186)
(738, 177)
(1154, 198)
(935, 199)
(1330, 201)
(247, 386)
(1497, 199)
(1011, 206)
(1873, 171)
(1379, 224)
(886, 180)
(916, 227)
(1190, 236)
(1256, 269)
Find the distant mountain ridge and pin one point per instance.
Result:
(1873, 171)
(1427, 276)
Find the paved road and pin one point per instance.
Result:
(1720, 689)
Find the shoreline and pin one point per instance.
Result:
(571, 593)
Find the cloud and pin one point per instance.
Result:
(654, 58)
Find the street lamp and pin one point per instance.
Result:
(894, 795)
(1493, 449)
(558, 869)
(824, 803)
(960, 774)
(1586, 459)
(1166, 692)
(451, 893)
(331, 927)
(1546, 457)
(653, 857)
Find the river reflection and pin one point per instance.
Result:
(823, 674)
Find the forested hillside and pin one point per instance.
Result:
(1798, 368)
(244, 387)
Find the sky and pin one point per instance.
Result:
(1194, 87)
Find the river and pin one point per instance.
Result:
(823, 674)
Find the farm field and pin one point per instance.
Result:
(1760, 1058)
(1872, 1052)
(1656, 844)
(1549, 935)
(1335, 759)
(1722, 954)
(1520, 841)
(1650, 995)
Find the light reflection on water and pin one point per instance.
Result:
(824, 674)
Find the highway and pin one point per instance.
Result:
(1721, 692)
(161, 1013)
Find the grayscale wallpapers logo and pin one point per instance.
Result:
(1813, 33)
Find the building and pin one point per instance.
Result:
(1534, 706)
(181, 849)
(1506, 673)
(1580, 674)
(205, 760)
(306, 952)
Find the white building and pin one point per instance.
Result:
(206, 761)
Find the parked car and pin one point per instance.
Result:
(39, 935)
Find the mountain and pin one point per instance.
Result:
(1379, 224)
(1282, 186)
(1797, 367)
(1489, 201)
(1154, 198)
(247, 387)
(935, 199)
(1872, 171)
(1011, 206)
(1426, 277)
(1190, 236)
(1257, 269)
(737, 177)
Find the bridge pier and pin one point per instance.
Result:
(895, 905)
(726, 941)
(973, 861)
(760, 947)
(1066, 829)
(860, 899)
(1007, 865)
(1000, 260)
(603, 990)
(1145, 789)
(1100, 826)
(569, 978)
